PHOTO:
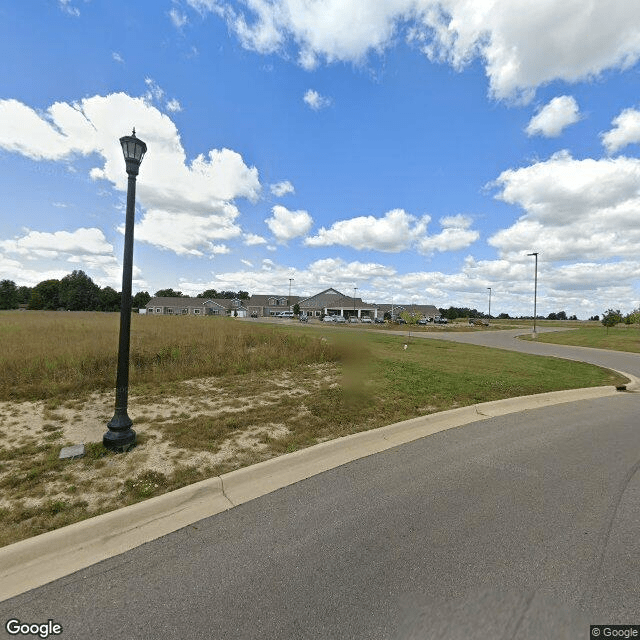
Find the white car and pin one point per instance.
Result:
(327, 319)
(366, 320)
(339, 319)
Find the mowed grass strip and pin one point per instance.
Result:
(251, 390)
(620, 338)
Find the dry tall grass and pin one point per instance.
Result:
(55, 354)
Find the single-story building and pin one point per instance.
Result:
(196, 307)
(265, 306)
(327, 302)
(333, 302)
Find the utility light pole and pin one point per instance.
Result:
(289, 298)
(354, 300)
(489, 302)
(535, 294)
(120, 435)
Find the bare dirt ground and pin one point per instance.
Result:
(28, 481)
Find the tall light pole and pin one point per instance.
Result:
(354, 300)
(535, 294)
(120, 435)
(489, 302)
(289, 298)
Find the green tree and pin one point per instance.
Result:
(8, 294)
(110, 299)
(45, 295)
(209, 293)
(140, 300)
(78, 292)
(611, 318)
(633, 317)
(24, 295)
(296, 309)
(170, 293)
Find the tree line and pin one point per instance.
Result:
(78, 292)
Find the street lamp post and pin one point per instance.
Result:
(354, 300)
(289, 298)
(535, 294)
(120, 435)
(489, 302)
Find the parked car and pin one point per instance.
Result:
(285, 314)
(254, 314)
(353, 319)
(400, 321)
(366, 320)
(327, 319)
(440, 320)
(424, 321)
(379, 321)
(304, 318)
(339, 319)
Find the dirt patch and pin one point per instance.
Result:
(256, 415)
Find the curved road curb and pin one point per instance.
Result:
(36, 561)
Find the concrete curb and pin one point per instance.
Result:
(36, 561)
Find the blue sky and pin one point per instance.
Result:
(415, 149)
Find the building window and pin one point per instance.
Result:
(149, 310)
(196, 312)
(185, 312)
(158, 310)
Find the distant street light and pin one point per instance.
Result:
(535, 294)
(289, 298)
(120, 435)
(489, 302)
(354, 300)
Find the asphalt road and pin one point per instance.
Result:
(524, 526)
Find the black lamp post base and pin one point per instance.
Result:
(119, 440)
(120, 436)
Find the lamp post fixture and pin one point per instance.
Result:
(354, 300)
(289, 298)
(535, 294)
(489, 302)
(120, 435)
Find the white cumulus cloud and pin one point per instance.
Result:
(189, 204)
(282, 188)
(315, 101)
(554, 117)
(573, 209)
(626, 130)
(396, 231)
(455, 235)
(285, 224)
(174, 106)
(252, 239)
(521, 46)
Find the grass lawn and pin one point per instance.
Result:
(209, 395)
(620, 338)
